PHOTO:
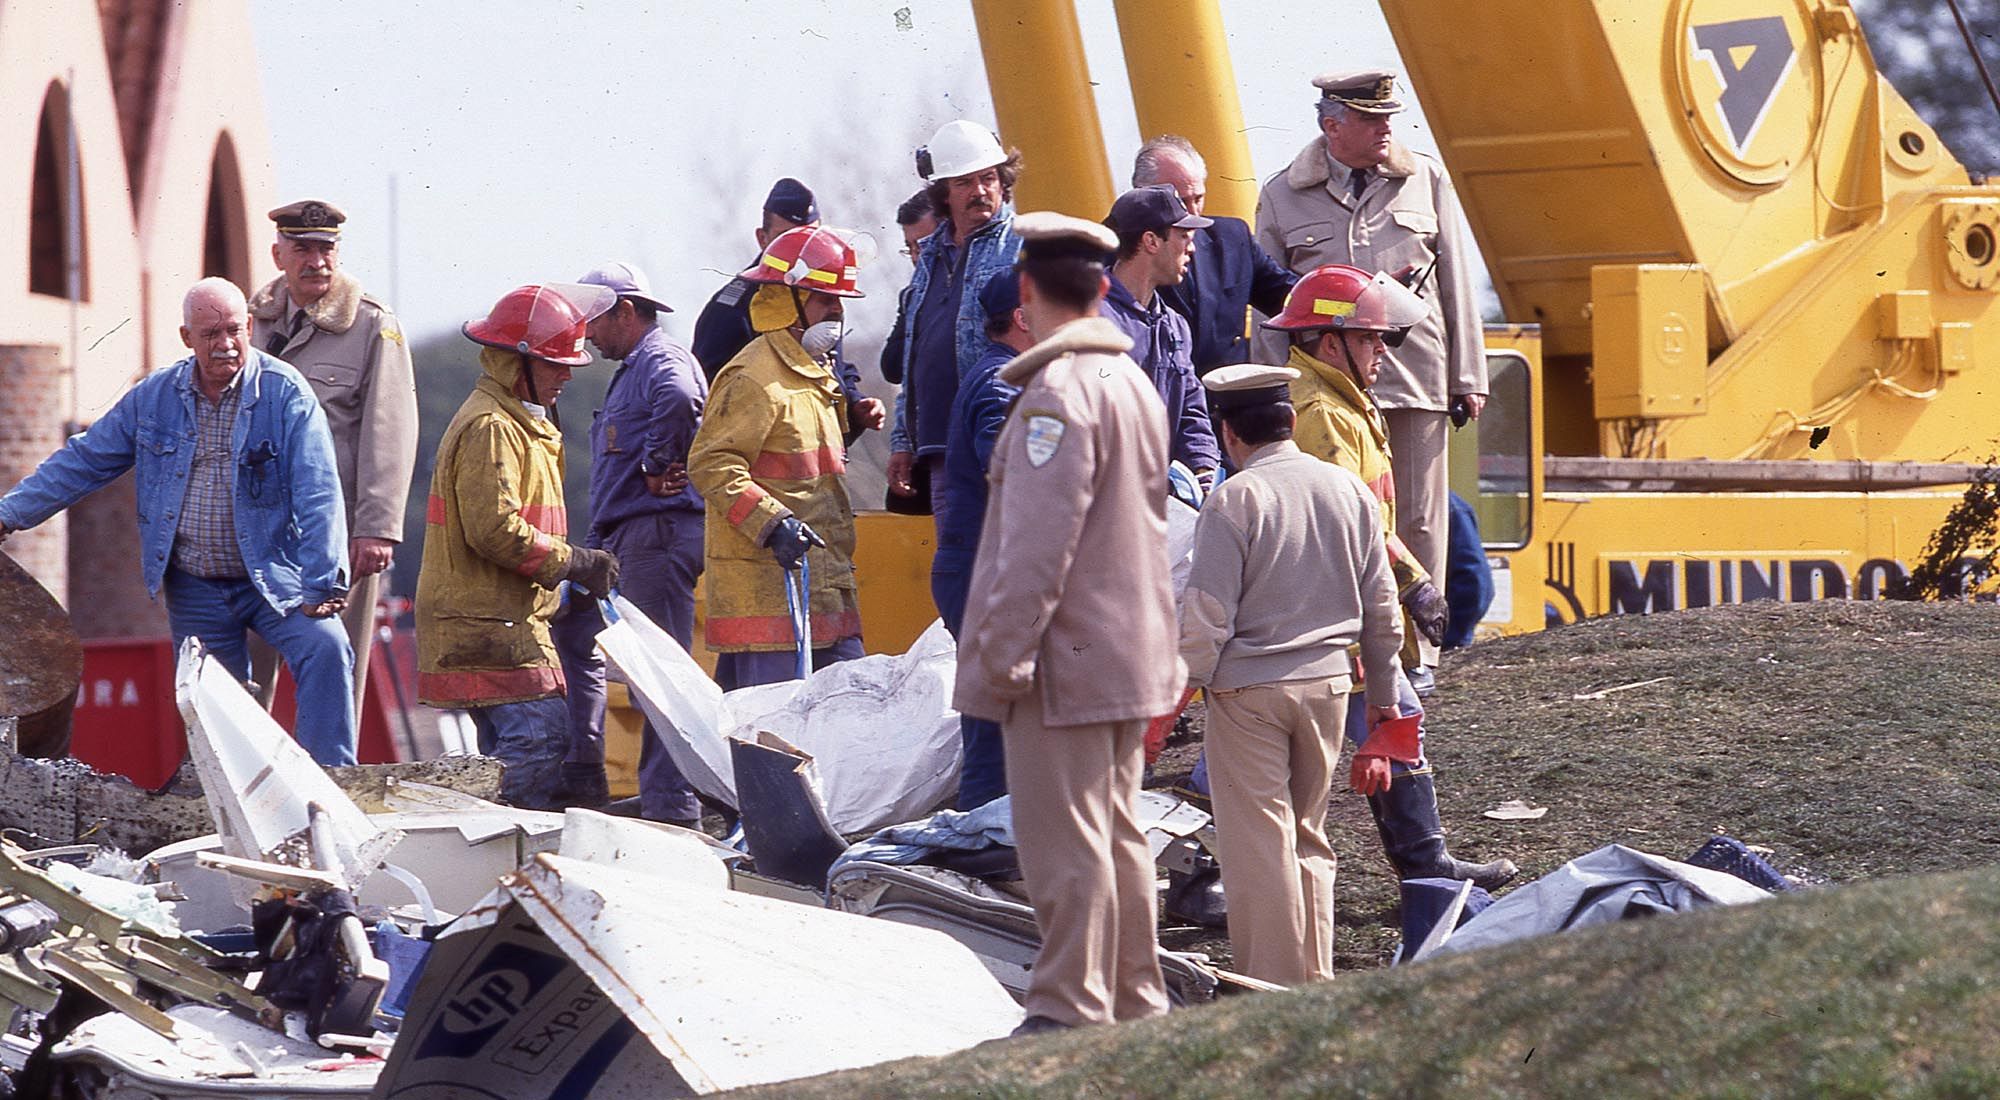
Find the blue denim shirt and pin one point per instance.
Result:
(291, 522)
(648, 420)
(1162, 348)
(990, 250)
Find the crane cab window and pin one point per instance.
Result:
(1490, 457)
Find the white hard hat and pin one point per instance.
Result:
(959, 149)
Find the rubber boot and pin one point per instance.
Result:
(1413, 839)
(584, 785)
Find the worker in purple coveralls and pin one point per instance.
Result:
(644, 511)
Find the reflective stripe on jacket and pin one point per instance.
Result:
(495, 547)
(770, 446)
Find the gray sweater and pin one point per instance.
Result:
(1290, 570)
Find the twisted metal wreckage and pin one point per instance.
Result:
(414, 940)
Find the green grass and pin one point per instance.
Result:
(1859, 742)
(1883, 989)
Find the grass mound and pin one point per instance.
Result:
(1852, 739)
(1855, 741)
(1883, 989)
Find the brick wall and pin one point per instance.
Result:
(32, 407)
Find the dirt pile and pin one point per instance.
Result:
(1852, 739)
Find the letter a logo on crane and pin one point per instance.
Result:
(1751, 58)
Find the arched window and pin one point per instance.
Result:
(224, 251)
(51, 243)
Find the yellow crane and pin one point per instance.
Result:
(1755, 341)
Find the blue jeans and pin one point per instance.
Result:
(322, 663)
(742, 670)
(659, 559)
(530, 738)
(982, 775)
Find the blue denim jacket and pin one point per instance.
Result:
(291, 523)
(991, 250)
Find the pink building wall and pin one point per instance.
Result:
(141, 249)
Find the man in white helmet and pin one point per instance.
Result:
(972, 189)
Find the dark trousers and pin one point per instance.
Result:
(982, 777)
(742, 670)
(659, 560)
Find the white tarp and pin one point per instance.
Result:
(258, 780)
(881, 730)
(1610, 884)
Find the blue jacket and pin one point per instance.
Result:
(291, 522)
(1468, 577)
(976, 416)
(1227, 275)
(650, 414)
(1160, 344)
(990, 250)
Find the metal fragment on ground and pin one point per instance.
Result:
(681, 990)
(258, 780)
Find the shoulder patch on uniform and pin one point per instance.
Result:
(393, 335)
(1045, 434)
(735, 291)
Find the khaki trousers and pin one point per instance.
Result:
(1088, 870)
(1418, 440)
(1271, 753)
(359, 619)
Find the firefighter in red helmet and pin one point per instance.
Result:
(496, 540)
(1339, 318)
(770, 464)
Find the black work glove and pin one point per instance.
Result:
(1427, 610)
(790, 540)
(594, 571)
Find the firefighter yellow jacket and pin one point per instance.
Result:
(770, 446)
(495, 547)
(1339, 423)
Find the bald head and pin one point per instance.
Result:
(215, 325)
(215, 293)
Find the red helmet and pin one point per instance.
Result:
(544, 320)
(1342, 296)
(811, 257)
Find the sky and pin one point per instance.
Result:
(542, 138)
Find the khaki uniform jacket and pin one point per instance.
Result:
(770, 445)
(1290, 569)
(495, 547)
(1072, 593)
(1307, 217)
(352, 352)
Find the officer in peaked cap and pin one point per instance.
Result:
(309, 220)
(1068, 627)
(350, 347)
(1372, 91)
(1277, 669)
(1355, 195)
